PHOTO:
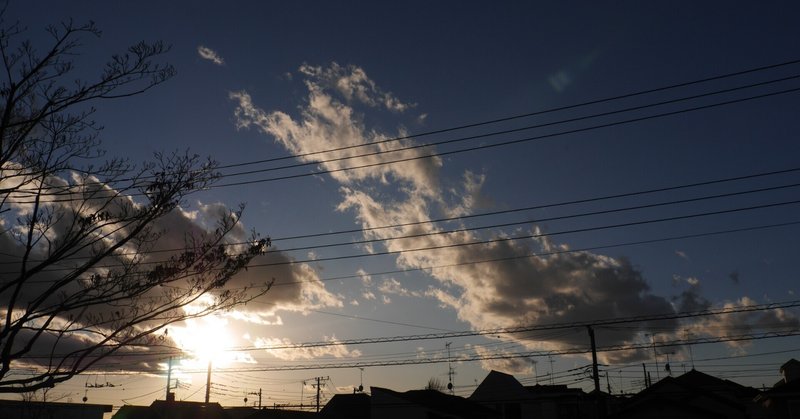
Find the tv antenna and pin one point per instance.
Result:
(360, 388)
(450, 371)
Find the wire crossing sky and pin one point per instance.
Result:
(457, 167)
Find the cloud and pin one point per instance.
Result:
(528, 287)
(743, 323)
(210, 55)
(327, 123)
(354, 85)
(296, 287)
(507, 365)
(393, 286)
(366, 279)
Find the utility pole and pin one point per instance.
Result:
(318, 378)
(318, 388)
(600, 411)
(208, 382)
(646, 381)
(169, 377)
(255, 394)
(595, 373)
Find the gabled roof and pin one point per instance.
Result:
(693, 391)
(437, 401)
(499, 386)
(350, 406)
(161, 409)
(790, 364)
(707, 382)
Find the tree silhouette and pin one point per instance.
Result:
(96, 258)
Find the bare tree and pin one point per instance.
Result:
(88, 270)
(434, 383)
(43, 395)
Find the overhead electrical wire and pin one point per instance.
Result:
(526, 354)
(506, 131)
(529, 236)
(504, 143)
(458, 230)
(476, 242)
(501, 212)
(513, 330)
(527, 114)
(533, 328)
(510, 142)
(648, 345)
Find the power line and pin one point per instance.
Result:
(516, 355)
(534, 328)
(444, 232)
(552, 253)
(551, 205)
(509, 131)
(471, 243)
(486, 146)
(499, 212)
(513, 142)
(508, 331)
(529, 236)
(527, 114)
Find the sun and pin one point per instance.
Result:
(206, 339)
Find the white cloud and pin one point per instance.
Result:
(743, 323)
(393, 286)
(210, 55)
(508, 365)
(296, 288)
(326, 124)
(366, 279)
(354, 85)
(522, 290)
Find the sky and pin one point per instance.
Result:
(262, 85)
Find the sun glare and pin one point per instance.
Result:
(205, 339)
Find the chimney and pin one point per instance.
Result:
(170, 397)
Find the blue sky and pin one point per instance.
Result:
(263, 80)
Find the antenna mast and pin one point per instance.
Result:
(450, 371)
